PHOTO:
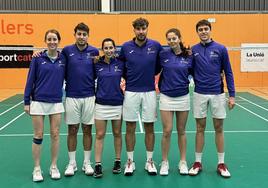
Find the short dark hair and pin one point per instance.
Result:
(107, 40)
(81, 26)
(140, 22)
(53, 31)
(203, 23)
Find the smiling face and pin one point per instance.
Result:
(108, 49)
(52, 41)
(173, 40)
(204, 33)
(81, 38)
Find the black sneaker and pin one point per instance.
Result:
(117, 167)
(97, 171)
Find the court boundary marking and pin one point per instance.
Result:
(123, 133)
(139, 120)
(2, 113)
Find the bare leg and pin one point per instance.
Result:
(100, 133)
(149, 136)
(54, 135)
(130, 136)
(87, 137)
(181, 123)
(167, 123)
(38, 127)
(117, 132)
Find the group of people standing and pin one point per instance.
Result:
(139, 60)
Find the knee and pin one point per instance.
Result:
(200, 130)
(73, 130)
(54, 135)
(181, 131)
(166, 134)
(130, 129)
(219, 130)
(87, 130)
(117, 134)
(38, 135)
(100, 135)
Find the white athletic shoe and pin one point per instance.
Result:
(87, 168)
(37, 174)
(129, 167)
(223, 170)
(54, 173)
(196, 169)
(70, 169)
(183, 168)
(164, 168)
(150, 167)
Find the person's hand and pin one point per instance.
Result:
(96, 59)
(37, 53)
(27, 109)
(231, 103)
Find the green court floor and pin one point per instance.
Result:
(246, 148)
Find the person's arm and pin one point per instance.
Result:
(158, 65)
(229, 78)
(30, 85)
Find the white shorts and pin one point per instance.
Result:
(134, 101)
(217, 104)
(79, 110)
(108, 112)
(181, 103)
(44, 108)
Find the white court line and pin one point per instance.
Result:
(252, 112)
(11, 121)
(11, 108)
(156, 132)
(254, 103)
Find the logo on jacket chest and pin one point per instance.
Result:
(213, 54)
(150, 51)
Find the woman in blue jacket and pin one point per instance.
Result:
(176, 64)
(109, 100)
(43, 96)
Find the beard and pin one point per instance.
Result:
(141, 38)
(81, 43)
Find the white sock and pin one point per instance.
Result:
(198, 157)
(149, 155)
(87, 156)
(130, 155)
(71, 157)
(220, 158)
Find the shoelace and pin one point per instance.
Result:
(196, 165)
(151, 162)
(38, 172)
(222, 167)
(129, 162)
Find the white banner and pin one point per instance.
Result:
(254, 57)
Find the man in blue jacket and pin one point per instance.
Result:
(80, 96)
(141, 57)
(211, 61)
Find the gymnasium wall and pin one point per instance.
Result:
(228, 29)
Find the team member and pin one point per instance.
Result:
(174, 96)
(109, 101)
(141, 56)
(43, 96)
(210, 61)
(80, 99)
